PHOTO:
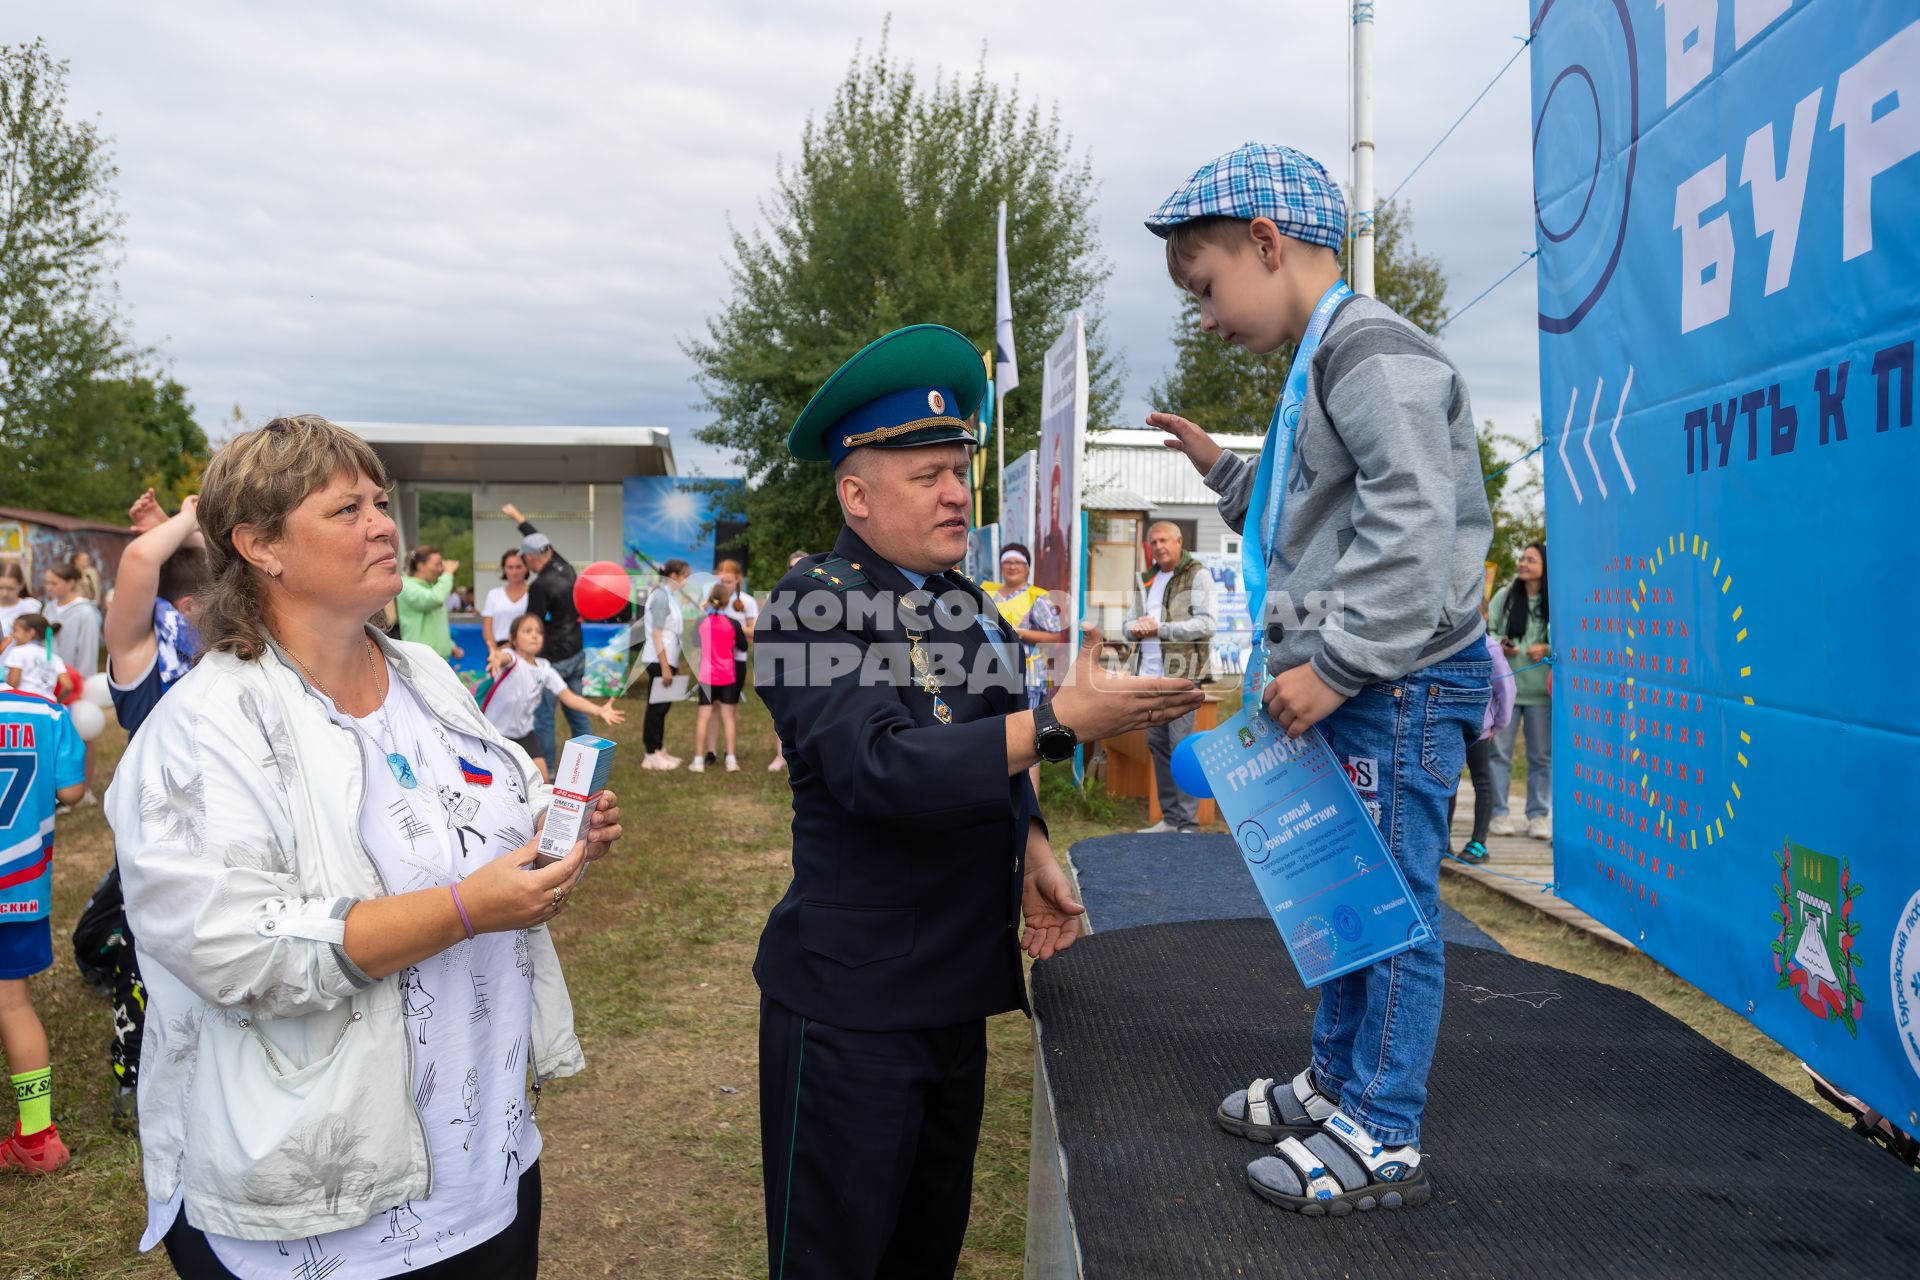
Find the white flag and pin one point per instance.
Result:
(1006, 373)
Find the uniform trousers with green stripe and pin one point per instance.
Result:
(868, 1140)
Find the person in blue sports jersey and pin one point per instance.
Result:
(42, 764)
(150, 645)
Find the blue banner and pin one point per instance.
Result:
(1329, 882)
(1728, 262)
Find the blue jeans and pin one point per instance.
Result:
(1537, 723)
(1375, 1029)
(570, 670)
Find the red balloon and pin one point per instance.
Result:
(602, 590)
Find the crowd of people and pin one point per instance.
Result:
(331, 1019)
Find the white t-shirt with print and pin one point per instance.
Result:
(468, 1011)
(515, 698)
(38, 673)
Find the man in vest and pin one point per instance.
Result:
(1171, 622)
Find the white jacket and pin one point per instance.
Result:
(276, 1078)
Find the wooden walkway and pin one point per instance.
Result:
(1519, 867)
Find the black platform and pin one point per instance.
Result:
(1573, 1130)
(1136, 879)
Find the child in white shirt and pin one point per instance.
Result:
(517, 675)
(29, 668)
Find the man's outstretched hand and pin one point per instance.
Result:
(1098, 704)
(1047, 905)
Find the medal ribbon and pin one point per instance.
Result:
(1261, 530)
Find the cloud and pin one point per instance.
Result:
(496, 213)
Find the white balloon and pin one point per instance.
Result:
(88, 720)
(96, 691)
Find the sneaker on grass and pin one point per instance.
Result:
(41, 1152)
(699, 765)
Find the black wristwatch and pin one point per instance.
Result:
(1053, 740)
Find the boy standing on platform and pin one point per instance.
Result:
(1366, 559)
(41, 762)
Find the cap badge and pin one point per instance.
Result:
(936, 402)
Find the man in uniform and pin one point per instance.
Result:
(918, 844)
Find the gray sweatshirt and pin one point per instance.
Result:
(1380, 562)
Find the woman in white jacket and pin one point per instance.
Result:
(326, 851)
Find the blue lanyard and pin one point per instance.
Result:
(1262, 527)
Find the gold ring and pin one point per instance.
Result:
(559, 899)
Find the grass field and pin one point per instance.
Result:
(652, 1155)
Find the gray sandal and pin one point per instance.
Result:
(1322, 1176)
(1267, 1111)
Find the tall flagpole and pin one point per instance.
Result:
(1363, 147)
(1006, 370)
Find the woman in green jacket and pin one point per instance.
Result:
(423, 602)
(1518, 616)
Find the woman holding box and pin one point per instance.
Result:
(344, 999)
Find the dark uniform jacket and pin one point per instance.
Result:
(550, 598)
(909, 838)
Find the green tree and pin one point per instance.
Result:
(83, 429)
(885, 219)
(446, 524)
(1230, 391)
(1514, 494)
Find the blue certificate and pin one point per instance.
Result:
(1338, 897)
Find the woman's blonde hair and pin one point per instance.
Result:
(260, 478)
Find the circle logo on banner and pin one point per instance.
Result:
(1314, 945)
(1905, 966)
(1586, 137)
(602, 590)
(1253, 840)
(1661, 767)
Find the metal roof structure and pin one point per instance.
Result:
(451, 454)
(1136, 462)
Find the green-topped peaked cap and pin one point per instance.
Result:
(915, 386)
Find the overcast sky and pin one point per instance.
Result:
(489, 213)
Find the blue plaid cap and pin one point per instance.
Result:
(1261, 180)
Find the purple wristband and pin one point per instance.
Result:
(461, 907)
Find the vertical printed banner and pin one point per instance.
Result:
(1016, 501)
(983, 553)
(1728, 261)
(677, 518)
(1063, 435)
